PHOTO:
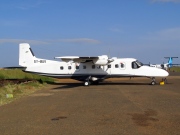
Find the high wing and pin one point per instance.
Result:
(77, 59)
(98, 60)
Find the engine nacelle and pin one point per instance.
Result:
(94, 78)
(103, 60)
(100, 62)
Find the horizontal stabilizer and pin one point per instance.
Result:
(170, 57)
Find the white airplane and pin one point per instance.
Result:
(165, 66)
(86, 69)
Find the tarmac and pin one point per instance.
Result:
(114, 107)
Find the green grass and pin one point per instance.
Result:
(175, 69)
(19, 74)
(19, 90)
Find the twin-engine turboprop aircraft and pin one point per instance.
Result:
(86, 69)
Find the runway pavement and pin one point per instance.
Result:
(115, 107)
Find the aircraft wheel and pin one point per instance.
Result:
(86, 83)
(153, 83)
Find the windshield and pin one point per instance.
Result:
(136, 64)
(139, 63)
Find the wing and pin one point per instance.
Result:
(98, 60)
(77, 59)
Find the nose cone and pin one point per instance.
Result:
(163, 73)
(155, 72)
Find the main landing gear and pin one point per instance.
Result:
(153, 82)
(89, 81)
(86, 83)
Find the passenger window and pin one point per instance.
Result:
(69, 67)
(93, 66)
(122, 65)
(109, 66)
(61, 67)
(116, 66)
(77, 67)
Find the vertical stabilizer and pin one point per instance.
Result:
(170, 61)
(26, 56)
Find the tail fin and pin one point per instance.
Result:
(26, 55)
(170, 61)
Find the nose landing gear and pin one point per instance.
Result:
(164, 80)
(153, 82)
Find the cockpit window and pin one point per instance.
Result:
(136, 64)
(139, 63)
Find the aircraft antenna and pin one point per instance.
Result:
(109, 53)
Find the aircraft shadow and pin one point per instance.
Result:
(67, 85)
(74, 85)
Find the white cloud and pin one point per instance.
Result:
(37, 42)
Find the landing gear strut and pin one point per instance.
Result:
(164, 80)
(87, 82)
(153, 82)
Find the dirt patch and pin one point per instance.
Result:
(144, 119)
(58, 118)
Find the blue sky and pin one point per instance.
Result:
(144, 29)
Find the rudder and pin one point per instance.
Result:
(26, 55)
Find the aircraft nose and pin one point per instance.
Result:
(164, 73)
(167, 73)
